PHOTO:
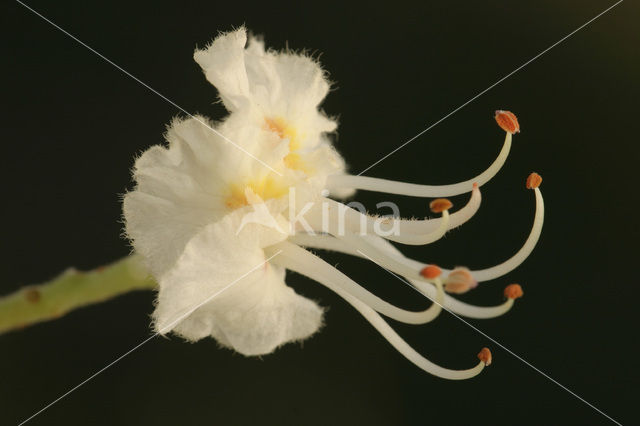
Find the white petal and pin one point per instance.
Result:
(284, 85)
(178, 192)
(254, 315)
(291, 86)
(223, 65)
(159, 228)
(182, 188)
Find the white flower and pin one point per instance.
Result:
(212, 214)
(183, 218)
(278, 92)
(283, 89)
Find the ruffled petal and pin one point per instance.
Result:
(205, 206)
(222, 287)
(223, 64)
(183, 187)
(272, 84)
(159, 229)
(288, 84)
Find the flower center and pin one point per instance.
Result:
(265, 188)
(284, 130)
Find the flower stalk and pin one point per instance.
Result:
(71, 290)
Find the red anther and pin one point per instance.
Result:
(485, 356)
(440, 204)
(430, 272)
(534, 180)
(507, 121)
(513, 291)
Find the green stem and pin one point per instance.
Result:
(71, 290)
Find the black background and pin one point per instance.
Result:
(73, 123)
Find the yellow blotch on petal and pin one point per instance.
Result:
(284, 130)
(292, 160)
(266, 188)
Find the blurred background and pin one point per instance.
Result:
(73, 124)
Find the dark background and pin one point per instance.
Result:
(72, 124)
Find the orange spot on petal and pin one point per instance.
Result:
(275, 125)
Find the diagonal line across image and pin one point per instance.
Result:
(492, 339)
(368, 168)
(149, 87)
(490, 87)
(167, 327)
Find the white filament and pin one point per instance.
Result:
(465, 309)
(290, 258)
(493, 272)
(342, 219)
(367, 183)
(326, 242)
(455, 219)
(371, 252)
(524, 252)
(317, 269)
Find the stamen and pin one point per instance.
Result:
(341, 219)
(455, 219)
(512, 263)
(534, 180)
(287, 259)
(472, 311)
(485, 356)
(327, 242)
(413, 232)
(513, 291)
(367, 183)
(460, 281)
(430, 272)
(507, 121)
(440, 204)
(306, 263)
(369, 251)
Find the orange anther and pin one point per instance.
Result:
(440, 204)
(430, 272)
(533, 181)
(485, 356)
(507, 121)
(460, 281)
(513, 291)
